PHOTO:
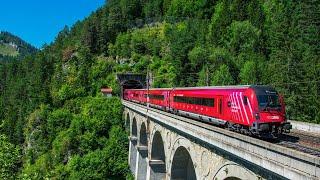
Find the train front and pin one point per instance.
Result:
(270, 115)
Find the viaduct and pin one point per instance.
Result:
(167, 146)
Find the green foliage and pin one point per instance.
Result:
(226, 12)
(101, 75)
(220, 56)
(116, 152)
(36, 134)
(249, 72)
(291, 32)
(23, 87)
(71, 78)
(243, 37)
(204, 77)
(64, 143)
(165, 73)
(80, 142)
(222, 76)
(38, 170)
(189, 8)
(9, 159)
(122, 46)
(153, 9)
(198, 56)
(110, 162)
(219, 23)
(90, 166)
(57, 121)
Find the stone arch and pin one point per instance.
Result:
(127, 121)
(158, 158)
(134, 132)
(157, 148)
(143, 138)
(233, 171)
(232, 178)
(182, 165)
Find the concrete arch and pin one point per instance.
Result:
(182, 165)
(158, 158)
(233, 171)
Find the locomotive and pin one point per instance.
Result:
(249, 109)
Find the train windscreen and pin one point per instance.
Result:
(267, 97)
(268, 101)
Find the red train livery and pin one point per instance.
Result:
(257, 110)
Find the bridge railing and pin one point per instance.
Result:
(307, 127)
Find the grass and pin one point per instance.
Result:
(8, 50)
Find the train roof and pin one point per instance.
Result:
(214, 87)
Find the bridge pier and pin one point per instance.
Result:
(157, 169)
(132, 153)
(141, 172)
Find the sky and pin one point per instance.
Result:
(39, 21)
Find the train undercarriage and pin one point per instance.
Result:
(263, 130)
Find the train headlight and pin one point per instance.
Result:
(257, 116)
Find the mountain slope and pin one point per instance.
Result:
(13, 46)
(8, 50)
(52, 108)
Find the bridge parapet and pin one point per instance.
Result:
(307, 127)
(214, 153)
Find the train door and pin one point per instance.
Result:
(220, 106)
(167, 100)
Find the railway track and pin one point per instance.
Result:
(301, 141)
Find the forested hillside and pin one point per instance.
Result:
(13, 47)
(54, 122)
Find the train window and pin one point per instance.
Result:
(194, 100)
(179, 99)
(208, 102)
(245, 100)
(158, 97)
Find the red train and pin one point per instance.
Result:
(255, 110)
